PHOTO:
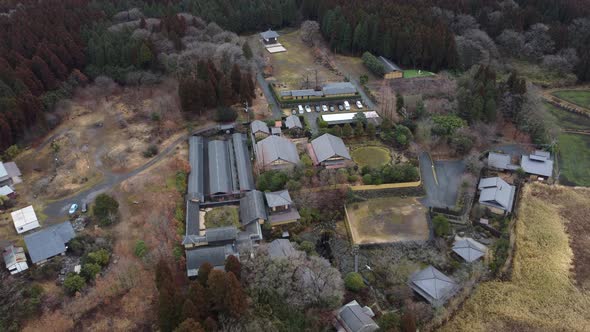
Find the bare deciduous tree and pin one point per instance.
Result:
(309, 31)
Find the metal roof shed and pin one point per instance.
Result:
(433, 285)
(25, 219)
(469, 249)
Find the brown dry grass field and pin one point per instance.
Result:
(548, 290)
(387, 220)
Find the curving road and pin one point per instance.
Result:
(57, 210)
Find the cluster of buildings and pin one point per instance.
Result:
(496, 193)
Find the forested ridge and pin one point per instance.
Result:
(49, 47)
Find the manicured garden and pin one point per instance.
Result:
(371, 156)
(578, 97)
(222, 216)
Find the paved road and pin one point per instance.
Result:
(56, 210)
(442, 188)
(274, 106)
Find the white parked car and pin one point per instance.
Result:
(324, 108)
(300, 108)
(346, 105)
(359, 104)
(307, 109)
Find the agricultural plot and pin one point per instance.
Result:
(574, 149)
(371, 156)
(387, 220)
(578, 97)
(550, 251)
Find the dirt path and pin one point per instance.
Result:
(57, 210)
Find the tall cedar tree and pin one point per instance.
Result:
(235, 302)
(198, 296)
(204, 271)
(217, 290)
(236, 78)
(233, 265)
(189, 310)
(168, 308)
(189, 325)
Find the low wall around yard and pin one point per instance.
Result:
(390, 189)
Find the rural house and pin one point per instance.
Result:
(392, 71)
(292, 122)
(281, 248)
(496, 194)
(281, 209)
(15, 259)
(276, 152)
(354, 318)
(49, 242)
(469, 249)
(259, 129)
(433, 286)
(501, 162)
(9, 174)
(538, 163)
(329, 151)
(25, 219)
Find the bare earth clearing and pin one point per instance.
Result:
(387, 220)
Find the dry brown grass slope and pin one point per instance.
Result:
(546, 292)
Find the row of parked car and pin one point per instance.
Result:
(326, 108)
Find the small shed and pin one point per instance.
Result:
(392, 71)
(15, 259)
(25, 219)
(354, 318)
(469, 249)
(269, 37)
(7, 191)
(433, 285)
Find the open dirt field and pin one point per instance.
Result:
(387, 220)
(551, 273)
(291, 68)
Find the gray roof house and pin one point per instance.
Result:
(49, 242)
(354, 318)
(339, 88)
(501, 161)
(243, 163)
(276, 152)
(433, 285)
(538, 163)
(293, 121)
(252, 208)
(469, 249)
(329, 149)
(259, 127)
(278, 198)
(281, 209)
(269, 35)
(281, 248)
(496, 193)
(216, 256)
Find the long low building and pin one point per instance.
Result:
(338, 89)
(342, 118)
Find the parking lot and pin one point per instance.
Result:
(313, 114)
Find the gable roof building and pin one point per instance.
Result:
(259, 127)
(278, 198)
(15, 259)
(252, 208)
(538, 163)
(243, 163)
(329, 148)
(281, 248)
(433, 285)
(25, 219)
(220, 179)
(216, 256)
(196, 182)
(354, 318)
(389, 66)
(269, 34)
(276, 152)
(293, 121)
(49, 242)
(469, 249)
(496, 193)
(339, 88)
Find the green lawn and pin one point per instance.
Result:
(411, 73)
(574, 159)
(568, 120)
(372, 156)
(222, 216)
(578, 97)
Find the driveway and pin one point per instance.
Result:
(441, 180)
(274, 106)
(57, 210)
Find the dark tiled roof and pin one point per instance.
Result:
(221, 234)
(339, 88)
(216, 256)
(243, 163)
(278, 198)
(328, 146)
(269, 34)
(275, 148)
(220, 180)
(192, 218)
(196, 160)
(433, 285)
(252, 207)
(357, 319)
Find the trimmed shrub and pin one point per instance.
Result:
(354, 282)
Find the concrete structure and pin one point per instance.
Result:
(433, 286)
(15, 259)
(343, 118)
(354, 318)
(49, 242)
(496, 194)
(281, 248)
(501, 162)
(25, 219)
(329, 151)
(281, 209)
(538, 163)
(469, 249)
(276, 152)
(392, 71)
